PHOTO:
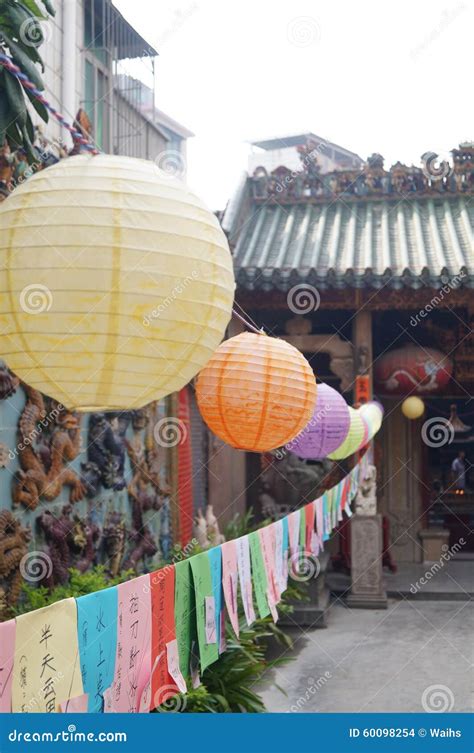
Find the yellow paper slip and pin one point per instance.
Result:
(47, 668)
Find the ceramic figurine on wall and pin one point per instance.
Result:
(47, 441)
(13, 548)
(140, 419)
(5, 456)
(85, 540)
(115, 535)
(214, 535)
(144, 488)
(206, 529)
(144, 546)
(58, 533)
(165, 529)
(106, 450)
(200, 530)
(141, 536)
(91, 479)
(9, 383)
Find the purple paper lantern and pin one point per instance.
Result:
(327, 428)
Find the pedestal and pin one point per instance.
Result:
(313, 613)
(435, 543)
(367, 587)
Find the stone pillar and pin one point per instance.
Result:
(367, 587)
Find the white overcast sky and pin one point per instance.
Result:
(394, 78)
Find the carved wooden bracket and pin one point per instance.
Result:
(341, 354)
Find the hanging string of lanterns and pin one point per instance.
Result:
(327, 427)
(258, 393)
(118, 287)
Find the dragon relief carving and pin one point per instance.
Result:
(47, 441)
(105, 464)
(8, 382)
(71, 542)
(115, 539)
(13, 548)
(146, 491)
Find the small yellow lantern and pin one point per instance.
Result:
(116, 282)
(413, 407)
(354, 438)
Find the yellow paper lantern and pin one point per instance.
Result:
(256, 392)
(117, 282)
(372, 413)
(355, 435)
(413, 407)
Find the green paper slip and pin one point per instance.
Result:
(201, 570)
(184, 614)
(259, 576)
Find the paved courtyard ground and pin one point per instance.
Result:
(414, 656)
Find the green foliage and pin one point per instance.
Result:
(227, 684)
(21, 35)
(242, 524)
(80, 584)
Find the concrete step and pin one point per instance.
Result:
(309, 614)
(453, 585)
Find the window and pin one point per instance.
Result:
(97, 74)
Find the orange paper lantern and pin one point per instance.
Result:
(257, 392)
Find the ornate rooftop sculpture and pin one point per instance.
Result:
(433, 177)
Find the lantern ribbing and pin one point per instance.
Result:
(256, 392)
(134, 277)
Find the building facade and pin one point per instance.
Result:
(95, 60)
(80, 490)
(352, 265)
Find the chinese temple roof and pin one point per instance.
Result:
(406, 227)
